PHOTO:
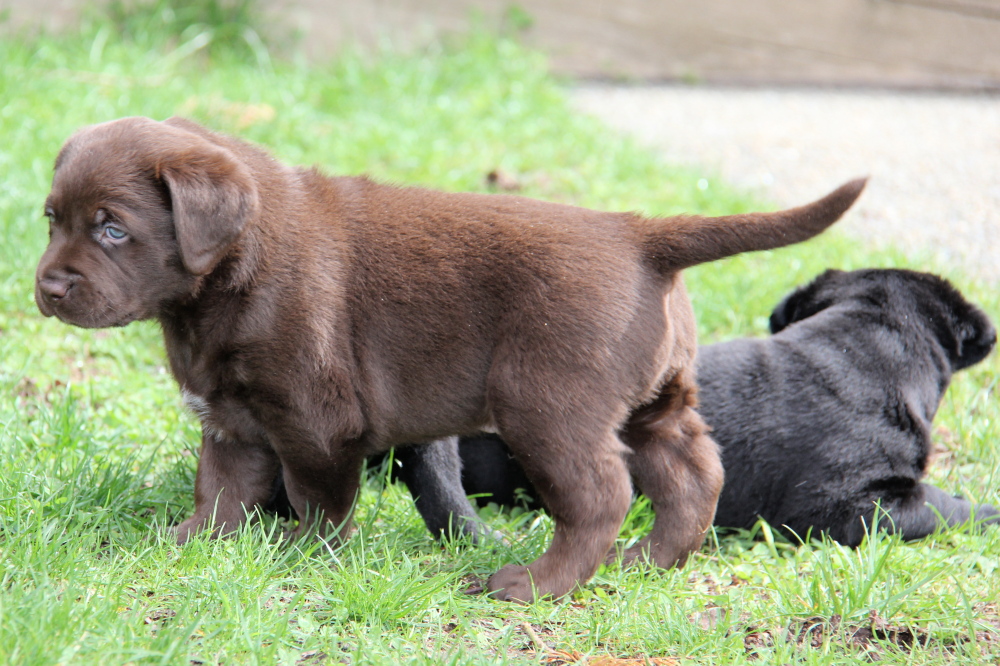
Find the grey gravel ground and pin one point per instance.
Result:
(934, 159)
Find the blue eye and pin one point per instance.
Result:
(115, 233)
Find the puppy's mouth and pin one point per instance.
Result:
(71, 313)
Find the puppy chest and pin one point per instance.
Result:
(276, 405)
(223, 418)
(226, 392)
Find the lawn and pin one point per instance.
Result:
(97, 455)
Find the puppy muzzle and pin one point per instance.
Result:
(53, 288)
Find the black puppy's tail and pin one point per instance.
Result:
(676, 243)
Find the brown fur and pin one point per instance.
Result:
(312, 321)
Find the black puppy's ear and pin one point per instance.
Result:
(974, 334)
(976, 342)
(784, 313)
(964, 331)
(213, 196)
(801, 303)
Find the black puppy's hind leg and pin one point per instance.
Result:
(433, 474)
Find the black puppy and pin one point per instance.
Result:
(817, 423)
(833, 412)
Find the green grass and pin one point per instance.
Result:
(96, 452)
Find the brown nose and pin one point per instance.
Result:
(55, 288)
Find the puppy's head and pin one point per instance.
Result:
(138, 211)
(964, 331)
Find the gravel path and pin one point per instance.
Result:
(934, 159)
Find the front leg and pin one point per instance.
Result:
(233, 477)
(928, 508)
(433, 474)
(914, 514)
(322, 484)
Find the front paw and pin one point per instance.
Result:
(326, 532)
(512, 583)
(477, 532)
(187, 529)
(196, 525)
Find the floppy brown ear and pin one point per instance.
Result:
(213, 197)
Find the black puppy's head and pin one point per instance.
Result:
(964, 331)
(138, 211)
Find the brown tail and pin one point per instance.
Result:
(680, 242)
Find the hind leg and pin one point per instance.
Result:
(677, 466)
(584, 482)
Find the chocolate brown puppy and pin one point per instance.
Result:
(313, 321)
